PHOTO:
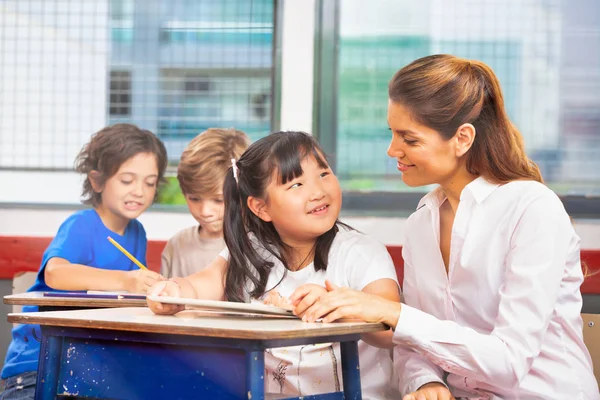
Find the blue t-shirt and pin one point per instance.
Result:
(81, 239)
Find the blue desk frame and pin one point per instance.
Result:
(116, 364)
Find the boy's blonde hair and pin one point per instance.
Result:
(206, 159)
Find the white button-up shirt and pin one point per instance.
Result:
(504, 322)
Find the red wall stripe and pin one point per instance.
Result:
(24, 253)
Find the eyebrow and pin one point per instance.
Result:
(134, 174)
(405, 132)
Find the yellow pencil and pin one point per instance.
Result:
(128, 254)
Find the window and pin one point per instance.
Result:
(121, 18)
(545, 54)
(120, 94)
(174, 67)
(193, 100)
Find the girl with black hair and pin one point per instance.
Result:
(282, 203)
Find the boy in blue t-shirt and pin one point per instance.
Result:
(123, 166)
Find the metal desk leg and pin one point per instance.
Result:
(255, 374)
(351, 370)
(49, 367)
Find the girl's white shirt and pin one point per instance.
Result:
(504, 322)
(355, 260)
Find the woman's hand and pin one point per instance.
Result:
(343, 302)
(140, 280)
(430, 391)
(306, 296)
(164, 288)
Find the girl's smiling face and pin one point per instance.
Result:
(303, 208)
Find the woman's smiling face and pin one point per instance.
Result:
(424, 157)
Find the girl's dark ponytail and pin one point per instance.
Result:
(242, 254)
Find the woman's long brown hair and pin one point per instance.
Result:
(443, 92)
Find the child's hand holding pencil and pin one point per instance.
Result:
(138, 281)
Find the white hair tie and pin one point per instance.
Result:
(235, 169)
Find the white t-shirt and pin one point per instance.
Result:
(355, 260)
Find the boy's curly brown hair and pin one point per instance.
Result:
(108, 149)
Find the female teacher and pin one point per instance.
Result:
(492, 272)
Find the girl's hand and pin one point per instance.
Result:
(140, 280)
(274, 298)
(306, 296)
(430, 391)
(343, 302)
(164, 288)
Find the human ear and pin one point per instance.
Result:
(95, 178)
(259, 208)
(465, 136)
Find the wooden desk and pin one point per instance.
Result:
(130, 353)
(62, 303)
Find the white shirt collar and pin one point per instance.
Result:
(479, 190)
(433, 199)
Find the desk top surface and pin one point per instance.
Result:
(192, 322)
(38, 299)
